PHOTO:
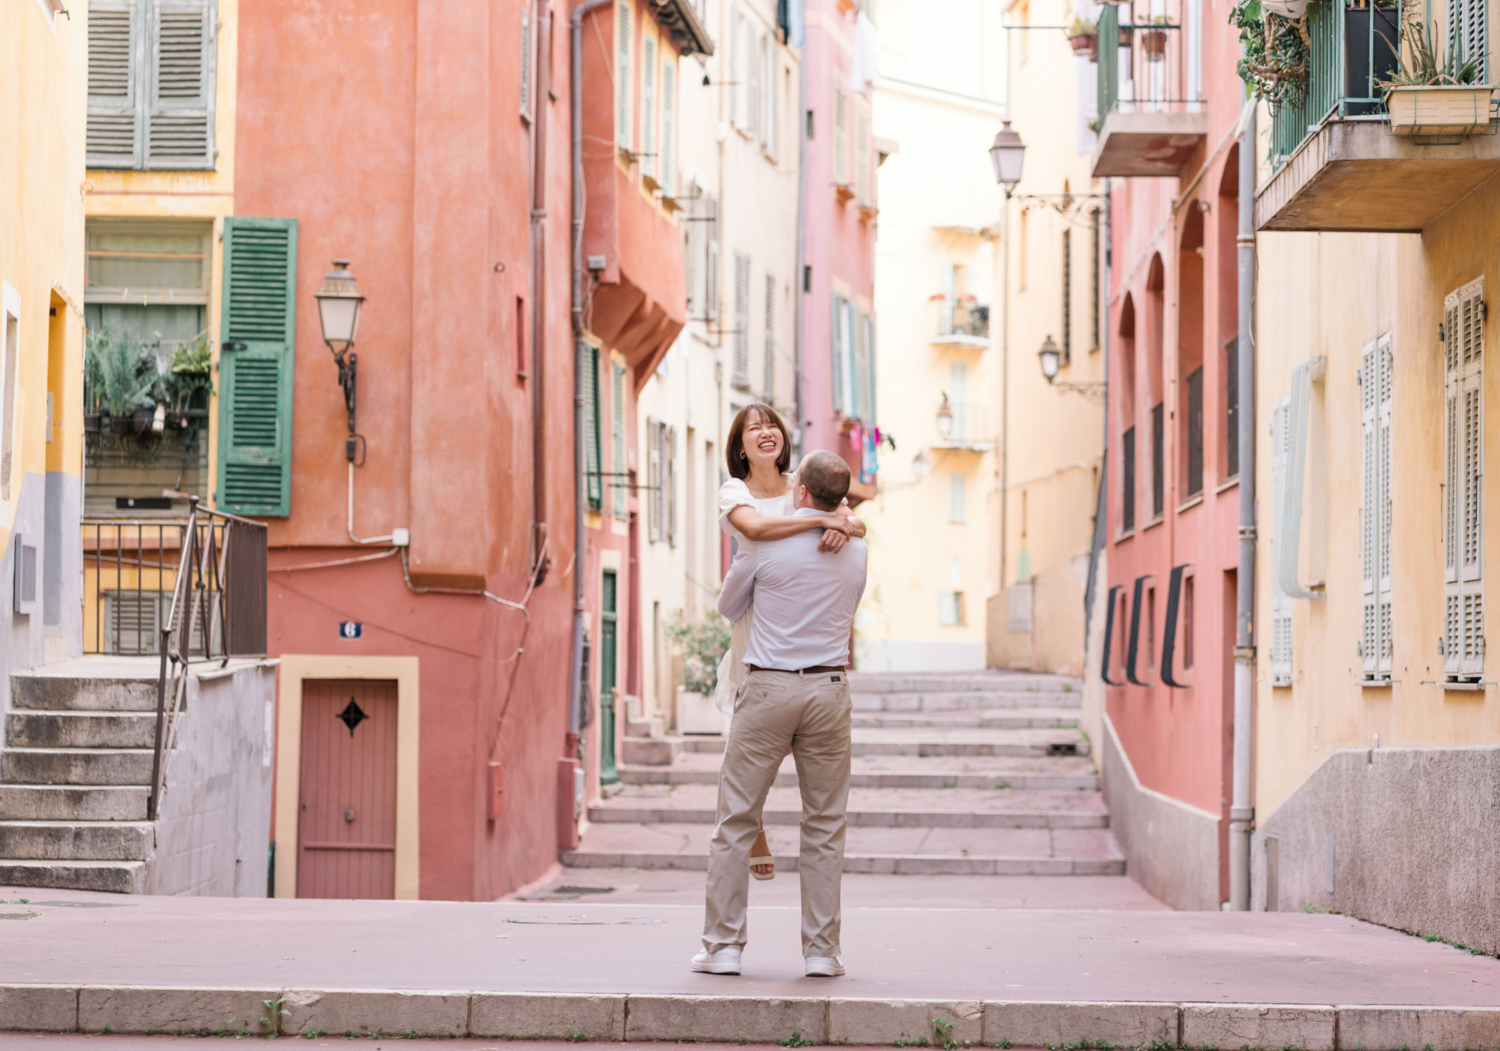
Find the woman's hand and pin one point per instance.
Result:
(836, 532)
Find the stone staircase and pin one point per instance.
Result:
(74, 776)
(974, 773)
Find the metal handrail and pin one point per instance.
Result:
(231, 575)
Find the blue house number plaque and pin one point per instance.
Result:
(350, 629)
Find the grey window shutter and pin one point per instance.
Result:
(180, 111)
(838, 352)
(1289, 491)
(768, 381)
(648, 107)
(1369, 518)
(667, 170)
(1386, 580)
(870, 358)
(116, 82)
(669, 476)
(1463, 517)
(526, 51)
(741, 320)
(857, 366)
(622, 74)
(711, 266)
(653, 480)
(619, 480)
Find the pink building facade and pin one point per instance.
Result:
(1169, 100)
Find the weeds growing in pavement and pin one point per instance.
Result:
(275, 1012)
(313, 1034)
(795, 1040)
(15, 901)
(1161, 1045)
(942, 1033)
(575, 1037)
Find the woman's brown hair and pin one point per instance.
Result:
(734, 448)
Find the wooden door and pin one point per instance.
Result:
(346, 833)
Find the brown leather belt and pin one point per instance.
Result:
(800, 671)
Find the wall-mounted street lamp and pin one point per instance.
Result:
(1051, 360)
(339, 301)
(1007, 154)
(945, 419)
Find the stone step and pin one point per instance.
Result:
(650, 751)
(960, 682)
(79, 729)
(120, 877)
(874, 808)
(914, 851)
(72, 803)
(75, 840)
(120, 685)
(1010, 719)
(932, 742)
(76, 766)
(697, 768)
(943, 701)
(651, 726)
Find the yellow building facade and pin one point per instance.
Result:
(41, 328)
(1377, 725)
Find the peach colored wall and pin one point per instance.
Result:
(1179, 740)
(392, 134)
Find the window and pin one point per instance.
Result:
(842, 352)
(1187, 624)
(957, 499)
(667, 170)
(622, 74)
(840, 136)
(1158, 460)
(255, 366)
(653, 481)
(661, 481)
(958, 400)
(770, 125)
(1281, 603)
(1095, 259)
(768, 380)
(527, 50)
(1067, 296)
(741, 320)
(520, 328)
(648, 108)
(151, 84)
(619, 478)
(864, 191)
(1232, 409)
(1195, 432)
(1463, 479)
(1150, 628)
(755, 64)
(591, 427)
(669, 483)
(951, 608)
(1376, 386)
(1127, 480)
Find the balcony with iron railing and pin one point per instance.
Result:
(962, 322)
(1151, 112)
(1339, 162)
(965, 427)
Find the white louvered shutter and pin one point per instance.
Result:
(622, 74)
(770, 107)
(1281, 604)
(526, 52)
(768, 379)
(648, 107)
(755, 63)
(667, 170)
(669, 480)
(741, 320)
(711, 263)
(692, 271)
(180, 111)
(737, 73)
(840, 136)
(1463, 477)
(115, 83)
(1385, 583)
(868, 411)
(862, 154)
(837, 331)
(653, 480)
(1369, 532)
(846, 341)
(857, 367)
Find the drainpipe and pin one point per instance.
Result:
(541, 88)
(578, 276)
(1241, 812)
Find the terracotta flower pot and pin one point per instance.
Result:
(1084, 44)
(1154, 44)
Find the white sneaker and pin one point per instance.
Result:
(725, 961)
(824, 967)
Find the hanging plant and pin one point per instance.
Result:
(1275, 61)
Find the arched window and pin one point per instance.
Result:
(1156, 319)
(1226, 257)
(1125, 399)
(1190, 353)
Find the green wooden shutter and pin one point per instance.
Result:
(255, 366)
(591, 427)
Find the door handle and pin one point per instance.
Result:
(349, 814)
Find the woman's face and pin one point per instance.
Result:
(763, 440)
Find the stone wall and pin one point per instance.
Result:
(214, 834)
(1171, 848)
(1403, 837)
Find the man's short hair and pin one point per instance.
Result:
(826, 477)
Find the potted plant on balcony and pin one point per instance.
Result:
(1154, 37)
(188, 382)
(126, 376)
(1274, 60)
(1436, 92)
(703, 645)
(1083, 35)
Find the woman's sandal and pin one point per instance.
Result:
(760, 854)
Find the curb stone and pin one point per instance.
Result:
(620, 1016)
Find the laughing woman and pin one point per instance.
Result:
(756, 503)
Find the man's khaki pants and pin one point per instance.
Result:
(776, 711)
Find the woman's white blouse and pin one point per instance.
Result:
(733, 493)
